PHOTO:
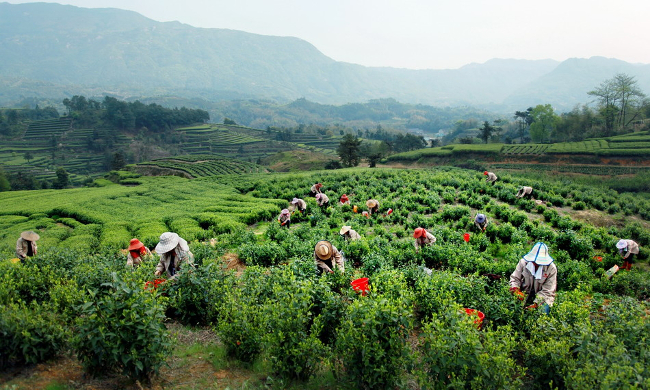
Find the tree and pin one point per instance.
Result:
(628, 94)
(544, 121)
(4, 182)
(62, 180)
(117, 161)
(524, 119)
(28, 156)
(486, 131)
(228, 121)
(374, 152)
(349, 151)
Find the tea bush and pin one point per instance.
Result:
(30, 334)
(123, 331)
(371, 342)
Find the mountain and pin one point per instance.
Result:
(52, 50)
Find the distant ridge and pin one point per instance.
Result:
(59, 50)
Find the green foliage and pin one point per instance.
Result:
(123, 330)
(455, 354)
(371, 342)
(30, 334)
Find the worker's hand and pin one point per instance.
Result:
(531, 307)
(158, 273)
(330, 271)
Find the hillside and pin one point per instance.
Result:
(251, 310)
(50, 50)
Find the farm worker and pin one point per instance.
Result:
(26, 245)
(285, 218)
(481, 221)
(523, 191)
(315, 189)
(322, 199)
(373, 206)
(137, 253)
(422, 238)
(535, 275)
(327, 257)
(174, 253)
(344, 200)
(491, 177)
(300, 204)
(348, 233)
(627, 249)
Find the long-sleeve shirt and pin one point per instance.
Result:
(301, 205)
(283, 218)
(632, 248)
(180, 259)
(491, 177)
(352, 235)
(481, 225)
(315, 190)
(524, 191)
(322, 200)
(543, 288)
(23, 248)
(425, 240)
(131, 261)
(336, 259)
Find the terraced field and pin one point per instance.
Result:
(199, 166)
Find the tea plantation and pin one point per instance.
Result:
(410, 331)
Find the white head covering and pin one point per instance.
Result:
(621, 244)
(539, 255)
(169, 241)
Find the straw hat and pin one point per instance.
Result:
(419, 232)
(295, 201)
(169, 241)
(285, 212)
(621, 244)
(371, 203)
(324, 250)
(29, 236)
(480, 218)
(345, 229)
(135, 244)
(539, 255)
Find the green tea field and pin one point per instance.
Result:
(253, 313)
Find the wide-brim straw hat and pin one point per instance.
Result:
(345, 229)
(29, 235)
(285, 212)
(135, 244)
(371, 203)
(295, 200)
(539, 255)
(169, 241)
(324, 250)
(419, 232)
(480, 218)
(621, 244)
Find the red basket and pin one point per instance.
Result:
(153, 285)
(466, 237)
(473, 312)
(360, 285)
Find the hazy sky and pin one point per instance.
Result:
(423, 34)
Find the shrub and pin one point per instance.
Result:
(30, 334)
(454, 354)
(264, 254)
(578, 248)
(294, 350)
(371, 342)
(123, 330)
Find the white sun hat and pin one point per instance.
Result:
(169, 241)
(621, 244)
(539, 255)
(345, 229)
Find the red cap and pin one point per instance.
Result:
(485, 173)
